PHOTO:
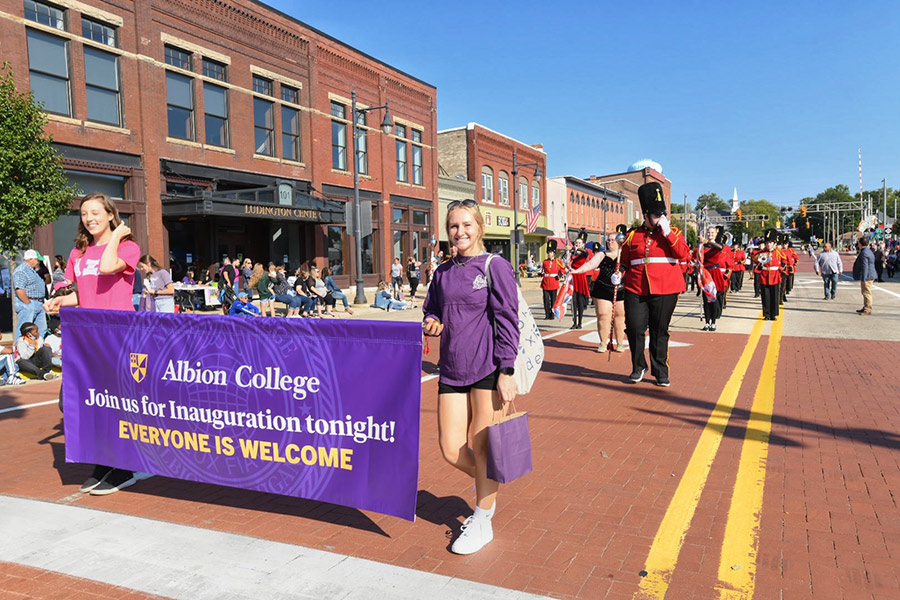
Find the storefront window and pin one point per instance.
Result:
(111, 185)
(420, 217)
(336, 249)
(398, 215)
(369, 253)
(398, 245)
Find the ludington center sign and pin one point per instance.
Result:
(282, 212)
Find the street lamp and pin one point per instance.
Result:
(515, 172)
(386, 127)
(604, 204)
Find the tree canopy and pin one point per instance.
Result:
(713, 200)
(34, 189)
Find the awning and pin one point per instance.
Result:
(303, 208)
(542, 231)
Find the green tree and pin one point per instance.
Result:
(755, 228)
(713, 200)
(33, 185)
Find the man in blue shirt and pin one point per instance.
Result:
(864, 272)
(30, 292)
(243, 307)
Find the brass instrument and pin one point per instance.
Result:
(764, 258)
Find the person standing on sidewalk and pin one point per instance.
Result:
(478, 325)
(864, 272)
(551, 269)
(102, 265)
(653, 281)
(829, 266)
(30, 292)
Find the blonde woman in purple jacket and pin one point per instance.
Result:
(478, 325)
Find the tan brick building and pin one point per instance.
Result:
(222, 127)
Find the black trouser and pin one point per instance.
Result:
(653, 311)
(711, 310)
(788, 284)
(579, 302)
(781, 289)
(549, 300)
(755, 284)
(690, 281)
(39, 363)
(413, 286)
(770, 300)
(879, 269)
(737, 281)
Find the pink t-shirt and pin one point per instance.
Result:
(103, 291)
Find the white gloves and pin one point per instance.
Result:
(664, 224)
(616, 278)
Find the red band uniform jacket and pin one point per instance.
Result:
(653, 261)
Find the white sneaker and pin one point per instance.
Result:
(15, 380)
(476, 534)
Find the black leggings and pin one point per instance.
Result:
(579, 302)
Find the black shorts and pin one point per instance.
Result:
(488, 383)
(605, 292)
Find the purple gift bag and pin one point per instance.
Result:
(509, 448)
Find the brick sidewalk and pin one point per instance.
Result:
(608, 457)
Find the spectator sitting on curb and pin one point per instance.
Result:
(335, 291)
(9, 370)
(384, 299)
(34, 356)
(243, 307)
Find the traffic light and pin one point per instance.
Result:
(807, 223)
(803, 211)
(794, 224)
(740, 214)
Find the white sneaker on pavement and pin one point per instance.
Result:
(476, 534)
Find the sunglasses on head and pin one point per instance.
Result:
(466, 203)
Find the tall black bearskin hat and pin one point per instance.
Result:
(582, 235)
(651, 197)
(771, 235)
(720, 235)
(551, 246)
(596, 246)
(621, 230)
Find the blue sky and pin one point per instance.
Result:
(773, 98)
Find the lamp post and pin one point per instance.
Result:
(884, 206)
(386, 127)
(515, 172)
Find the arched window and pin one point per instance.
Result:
(535, 194)
(503, 188)
(523, 193)
(487, 185)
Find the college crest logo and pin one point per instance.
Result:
(138, 366)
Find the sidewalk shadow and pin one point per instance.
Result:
(8, 400)
(218, 495)
(442, 511)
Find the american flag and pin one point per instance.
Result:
(532, 218)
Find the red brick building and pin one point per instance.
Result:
(222, 127)
(485, 157)
(594, 208)
(639, 173)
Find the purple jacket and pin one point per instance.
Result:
(481, 332)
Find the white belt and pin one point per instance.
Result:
(654, 259)
(771, 268)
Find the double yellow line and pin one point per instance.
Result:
(737, 565)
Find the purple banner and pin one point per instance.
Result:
(325, 410)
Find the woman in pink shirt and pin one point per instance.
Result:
(102, 265)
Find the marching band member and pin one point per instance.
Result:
(551, 269)
(713, 261)
(653, 281)
(767, 263)
(578, 257)
(737, 276)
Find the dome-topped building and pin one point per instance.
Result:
(643, 164)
